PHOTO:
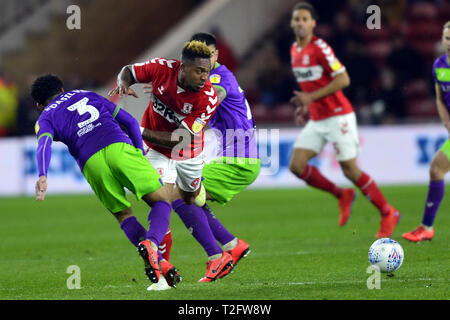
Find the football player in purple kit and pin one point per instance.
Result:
(109, 159)
(440, 164)
(230, 170)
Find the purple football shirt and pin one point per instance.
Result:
(233, 121)
(82, 120)
(441, 76)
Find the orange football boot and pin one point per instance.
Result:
(218, 268)
(388, 223)
(150, 257)
(419, 234)
(241, 250)
(345, 204)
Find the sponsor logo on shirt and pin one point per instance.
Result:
(303, 74)
(87, 129)
(445, 88)
(167, 113)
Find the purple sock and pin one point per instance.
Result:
(434, 198)
(133, 230)
(220, 232)
(196, 222)
(158, 220)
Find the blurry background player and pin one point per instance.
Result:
(183, 97)
(440, 164)
(322, 77)
(109, 159)
(233, 167)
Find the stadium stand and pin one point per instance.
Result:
(409, 36)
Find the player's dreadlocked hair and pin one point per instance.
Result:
(195, 49)
(45, 87)
(303, 5)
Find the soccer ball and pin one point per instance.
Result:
(386, 255)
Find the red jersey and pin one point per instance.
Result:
(314, 67)
(172, 107)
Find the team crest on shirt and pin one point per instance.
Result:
(198, 125)
(305, 59)
(187, 108)
(194, 184)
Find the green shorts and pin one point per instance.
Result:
(116, 167)
(446, 149)
(225, 177)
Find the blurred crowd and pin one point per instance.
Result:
(390, 68)
(18, 112)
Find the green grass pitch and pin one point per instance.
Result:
(298, 251)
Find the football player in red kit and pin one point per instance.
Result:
(321, 77)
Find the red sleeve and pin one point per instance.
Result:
(147, 71)
(328, 59)
(202, 113)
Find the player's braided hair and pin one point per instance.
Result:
(195, 49)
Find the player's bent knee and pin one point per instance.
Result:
(351, 170)
(124, 214)
(436, 172)
(159, 195)
(351, 173)
(297, 167)
(188, 197)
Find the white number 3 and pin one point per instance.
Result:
(82, 107)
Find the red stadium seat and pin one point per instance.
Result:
(379, 50)
(261, 113)
(423, 11)
(283, 113)
(425, 108)
(383, 34)
(416, 90)
(444, 14)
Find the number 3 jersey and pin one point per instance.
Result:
(82, 120)
(172, 107)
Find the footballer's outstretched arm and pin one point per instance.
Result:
(125, 80)
(132, 126)
(43, 155)
(442, 110)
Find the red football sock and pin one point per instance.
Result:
(315, 179)
(166, 245)
(370, 189)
